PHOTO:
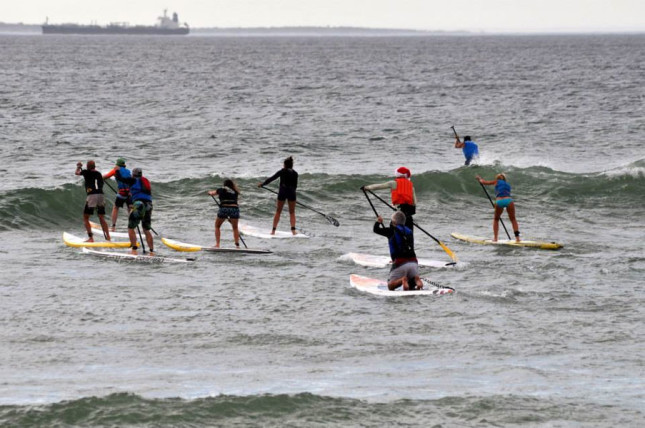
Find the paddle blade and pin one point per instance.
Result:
(448, 251)
(332, 220)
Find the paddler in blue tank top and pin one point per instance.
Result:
(503, 200)
(123, 193)
(228, 210)
(405, 266)
(141, 193)
(469, 147)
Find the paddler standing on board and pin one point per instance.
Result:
(402, 192)
(405, 267)
(123, 194)
(469, 148)
(141, 193)
(287, 192)
(228, 209)
(95, 198)
(503, 200)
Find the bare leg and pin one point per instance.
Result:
(498, 214)
(150, 240)
(276, 217)
(418, 282)
(395, 283)
(511, 215)
(88, 228)
(104, 226)
(236, 232)
(113, 217)
(292, 216)
(133, 240)
(218, 232)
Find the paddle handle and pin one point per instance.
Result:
(455, 132)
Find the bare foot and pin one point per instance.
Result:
(406, 287)
(134, 252)
(152, 253)
(90, 239)
(419, 284)
(113, 229)
(216, 246)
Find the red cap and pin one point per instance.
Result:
(403, 172)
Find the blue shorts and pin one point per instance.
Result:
(503, 203)
(228, 212)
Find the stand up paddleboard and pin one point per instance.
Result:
(379, 287)
(511, 243)
(77, 242)
(370, 260)
(144, 258)
(249, 230)
(182, 246)
(96, 228)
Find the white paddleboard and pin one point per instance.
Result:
(144, 258)
(370, 260)
(77, 242)
(379, 287)
(96, 228)
(247, 229)
(183, 246)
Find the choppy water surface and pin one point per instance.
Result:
(531, 338)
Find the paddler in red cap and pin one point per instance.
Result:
(402, 192)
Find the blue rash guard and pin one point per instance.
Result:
(470, 150)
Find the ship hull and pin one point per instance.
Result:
(96, 29)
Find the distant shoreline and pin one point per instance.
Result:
(20, 28)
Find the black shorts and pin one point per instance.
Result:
(141, 212)
(118, 202)
(287, 194)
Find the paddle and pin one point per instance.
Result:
(452, 255)
(493, 204)
(329, 218)
(229, 220)
(370, 201)
(453, 130)
(143, 245)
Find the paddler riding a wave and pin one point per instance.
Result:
(95, 198)
(123, 194)
(405, 267)
(503, 200)
(402, 192)
(469, 148)
(141, 193)
(228, 209)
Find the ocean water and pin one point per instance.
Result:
(530, 338)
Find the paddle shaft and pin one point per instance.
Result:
(445, 248)
(329, 218)
(493, 204)
(229, 220)
(370, 201)
(143, 245)
(453, 130)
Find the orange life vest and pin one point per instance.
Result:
(404, 192)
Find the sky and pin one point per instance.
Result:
(497, 16)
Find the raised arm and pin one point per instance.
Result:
(486, 182)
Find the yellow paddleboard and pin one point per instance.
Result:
(74, 241)
(511, 243)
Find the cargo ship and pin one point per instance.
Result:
(165, 26)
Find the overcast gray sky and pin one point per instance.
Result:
(449, 15)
